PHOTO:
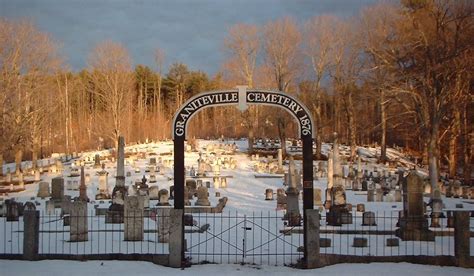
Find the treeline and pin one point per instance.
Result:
(396, 74)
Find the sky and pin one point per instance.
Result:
(188, 31)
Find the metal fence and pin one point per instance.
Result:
(11, 233)
(101, 237)
(377, 237)
(260, 238)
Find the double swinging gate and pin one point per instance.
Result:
(260, 238)
(241, 229)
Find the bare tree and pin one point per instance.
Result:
(429, 54)
(28, 56)
(319, 35)
(281, 42)
(346, 70)
(157, 104)
(379, 27)
(111, 72)
(242, 44)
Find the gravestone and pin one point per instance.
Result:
(83, 187)
(154, 193)
(50, 208)
(370, 195)
(268, 194)
(360, 207)
(393, 242)
(43, 190)
(281, 198)
(172, 193)
(78, 221)
(66, 211)
(163, 224)
(13, 210)
(216, 181)
(57, 188)
(338, 212)
(133, 219)
(115, 213)
(364, 185)
(104, 187)
(163, 198)
(191, 184)
(186, 197)
(120, 191)
(29, 206)
(330, 174)
(413, 224)
(368, 219)
(379, 195)
(223, 182)
(143, 192)
(317, 197)
(360, 242)
(292, 196)
(202, 197)
(37, 176)
(97, 162)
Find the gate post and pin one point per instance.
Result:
(179, 173)
(461, 239)
(176, 244)
(311, 245)
(308, 203)
(31, 234)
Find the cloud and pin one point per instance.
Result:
(189, 31)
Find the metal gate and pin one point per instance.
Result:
(241, 238)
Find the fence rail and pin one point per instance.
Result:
(270, 238)
(378, 237)
(102, 238)
(240, 238)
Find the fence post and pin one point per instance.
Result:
(312, 238)
(176, 244)
(30, 234)
(461, 238)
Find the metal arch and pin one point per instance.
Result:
(206, 93)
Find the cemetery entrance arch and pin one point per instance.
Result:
(241, 97)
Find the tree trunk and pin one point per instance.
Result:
(352, 127)
(250, 140)
(1, 164)
(452, 144)
(281, 133)
(317, 126)
(383, 118)
(433, 155)
(18, 158)
(467, 149)
(34, 157)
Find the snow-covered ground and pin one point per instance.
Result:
(113, 268)
(245, 206)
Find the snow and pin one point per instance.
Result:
(113, 268)
(246, 204)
